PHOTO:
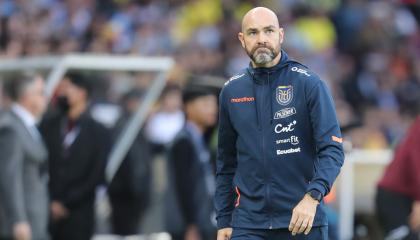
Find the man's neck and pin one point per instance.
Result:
(76, 111)
(200, 129)
(273, 63)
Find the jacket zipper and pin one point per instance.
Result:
(269, 168)
(266, 165)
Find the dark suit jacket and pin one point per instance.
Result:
(77, 170)
(133, 178)
(190, 201)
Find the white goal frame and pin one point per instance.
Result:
(102, 62)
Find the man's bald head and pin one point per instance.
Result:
(261, 37)
(259, 16)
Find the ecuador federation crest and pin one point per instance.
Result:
(284, 94)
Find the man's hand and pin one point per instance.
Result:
(22, 231)
(58, 210)
(303, 215)
(224, 234)
(415, 216)
(192, 233)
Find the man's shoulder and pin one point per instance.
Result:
(235, 83)
(299, 70)
(302, 73)
(95, 125)
(7, 123)
(182, 136)
(181, 141)
(236, 78)
(7, 119)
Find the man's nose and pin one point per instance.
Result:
(262, 40)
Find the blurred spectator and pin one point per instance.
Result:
(192, 170)
(130, 189)
(23, 181)
(398, 193)
(166, 122)
(78, 147)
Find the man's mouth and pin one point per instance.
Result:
(262, 49)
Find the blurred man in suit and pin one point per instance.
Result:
(78, 147)
(191, 167)
(129, 190)
(23, 184)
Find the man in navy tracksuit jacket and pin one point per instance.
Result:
(280, 146)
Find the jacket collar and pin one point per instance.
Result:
(24, 115)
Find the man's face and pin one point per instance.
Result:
(261, 38)
(172, 101)
(203, 110)
(34, 99)
(74, 93)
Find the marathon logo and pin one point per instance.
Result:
(284, 113)
(242, 99)
(288, 151)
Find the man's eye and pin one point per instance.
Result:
(270, 31)
(252, 33)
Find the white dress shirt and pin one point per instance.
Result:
(28, 120)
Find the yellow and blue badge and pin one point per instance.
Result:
(284, 94)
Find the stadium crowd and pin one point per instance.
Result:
(367, 51)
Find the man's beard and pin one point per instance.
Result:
(262, 55)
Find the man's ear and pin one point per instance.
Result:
(281, 35)
(241, 38)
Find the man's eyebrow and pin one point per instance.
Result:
(270, 27)
(251, 30)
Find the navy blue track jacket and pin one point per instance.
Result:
(278, 139)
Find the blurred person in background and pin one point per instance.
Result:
(398, 192)
(78, 147)
(130, 189)
(165, 123)
(23, 179)
(191, 167)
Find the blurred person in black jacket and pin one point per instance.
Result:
(191, 168)
(129, 190)
(78, 147)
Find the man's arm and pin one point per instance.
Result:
(414, 148)
(330, 156)
(225, 166)
(11, 176)
(184, 180)
(412, 145)
(327, 136)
